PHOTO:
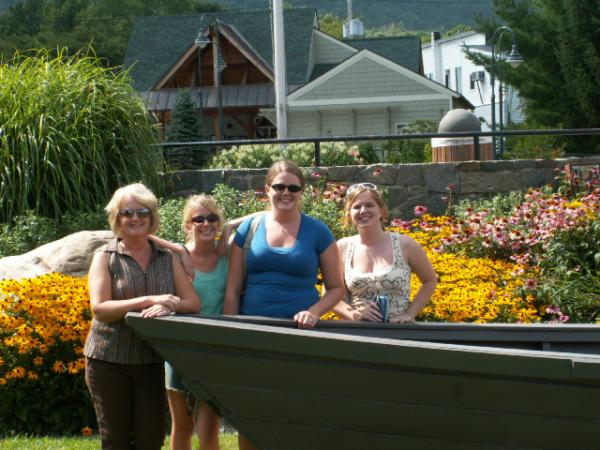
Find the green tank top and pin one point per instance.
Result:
(210, 286)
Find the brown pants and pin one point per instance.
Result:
(130, 403)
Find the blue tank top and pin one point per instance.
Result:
(281, 281)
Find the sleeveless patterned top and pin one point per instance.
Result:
(393, 281)
(114, 341)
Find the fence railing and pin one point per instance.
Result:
(212, 146)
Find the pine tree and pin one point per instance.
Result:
(185, 126)
(559, 79)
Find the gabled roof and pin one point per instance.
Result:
(294, 99)
(157, 42)
(403, 50)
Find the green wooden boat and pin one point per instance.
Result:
(348, 385)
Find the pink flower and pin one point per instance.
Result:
(451, 187)
(531, 283)
(420, 210)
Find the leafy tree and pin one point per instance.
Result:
(332, 25)
(559, 79)
(74, 24)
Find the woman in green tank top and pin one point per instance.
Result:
(206, 264)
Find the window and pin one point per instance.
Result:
(458, 78)
(399, 128)
(447, 78)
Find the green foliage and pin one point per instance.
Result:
(533, 147)
(26, 233)
(71, 132)
(170, 219)
(29, 231)
(236, 203)
(75, 24)
(185, 126)
(260, 156)
(558, 78)
(571, 273)
(405, 151)
(332, 25)
(42, 406)
(497, 206)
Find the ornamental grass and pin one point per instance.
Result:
(71, 131)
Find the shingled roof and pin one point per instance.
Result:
(403, 50)
(157, 42)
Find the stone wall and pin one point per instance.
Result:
(408, 185)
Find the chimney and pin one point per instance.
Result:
(354, 27)
(436, 51)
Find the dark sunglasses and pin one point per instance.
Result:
(142, 213)
(290, 187)
(200, 219)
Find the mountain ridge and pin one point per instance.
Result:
(426, 15)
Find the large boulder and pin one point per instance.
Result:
(71, 255)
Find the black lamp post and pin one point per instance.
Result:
(514, 59)
(219, 65)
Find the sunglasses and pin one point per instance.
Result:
(200, 219)
(290, 187)
(142, 213)
(367, 186)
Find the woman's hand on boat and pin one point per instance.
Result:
(371, 313)
(156, 311)
(403, 318)
(306, 319)
(169, 301)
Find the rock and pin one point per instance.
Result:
(71, 255)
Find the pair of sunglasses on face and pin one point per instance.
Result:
(211, 218)
(142, 213)
(290, 187)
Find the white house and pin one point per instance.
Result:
(445, 61)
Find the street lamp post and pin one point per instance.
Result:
(514, 59)
(218, 65)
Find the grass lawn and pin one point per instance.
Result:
(228, 442)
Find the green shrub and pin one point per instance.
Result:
(170, 219)
(71, 131)
(405, 151)
(570, 273)
(261, 156)
(533, 147)
(26, 233)
(29, 231)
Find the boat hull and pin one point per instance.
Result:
(290, 389)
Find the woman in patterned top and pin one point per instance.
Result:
(124, 375)
(379, 263)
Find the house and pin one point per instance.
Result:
(335, 87)
(446, 62)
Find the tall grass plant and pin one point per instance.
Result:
(71, 131)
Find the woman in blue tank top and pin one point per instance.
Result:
(283, 259)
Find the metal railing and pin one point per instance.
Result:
(210, 146)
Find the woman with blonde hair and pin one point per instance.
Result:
(377, 265)
(124, 375)
(202, 223)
